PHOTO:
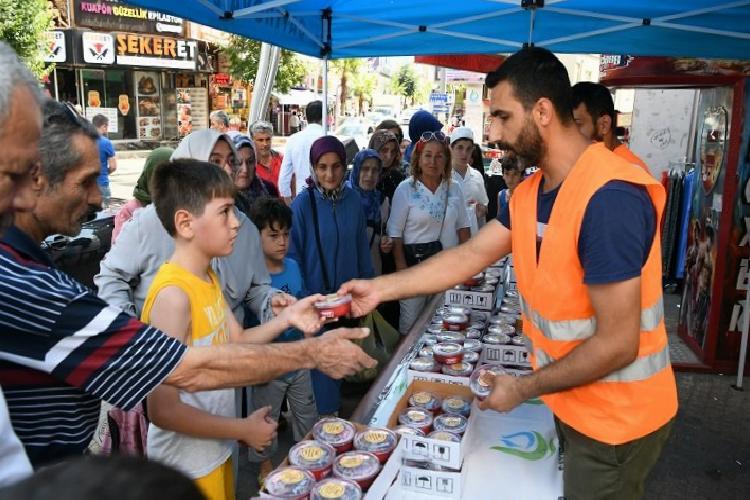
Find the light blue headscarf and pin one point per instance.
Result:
(373, 199)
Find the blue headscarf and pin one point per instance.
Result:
(373, 199)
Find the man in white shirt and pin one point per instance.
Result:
(471, 181)
(297, 154)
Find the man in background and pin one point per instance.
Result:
(268, 162)
(219, 121)
(107, 158)
(296, 160)
(594, 113)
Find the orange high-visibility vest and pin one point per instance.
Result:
(557, 312)
(624, 152)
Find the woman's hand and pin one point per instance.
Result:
(386, 244)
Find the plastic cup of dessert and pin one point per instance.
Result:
(456, 405)
(290, 483)
(379, 442)
(448, 353)
(313, 456)
(333, 306)
(359, 466)
(336, 432)
(335, 488)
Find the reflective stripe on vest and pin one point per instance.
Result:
(581, 329)
(640, 369)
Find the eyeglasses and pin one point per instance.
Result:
(433, 136)
(70, 113)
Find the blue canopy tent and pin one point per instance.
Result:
(334, 29)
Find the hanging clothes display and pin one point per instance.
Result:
(684, 222)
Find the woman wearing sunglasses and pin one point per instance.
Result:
(428, 214)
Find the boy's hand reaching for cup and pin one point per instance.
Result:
(259, 429)
(303, 315)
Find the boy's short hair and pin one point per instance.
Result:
(271, 213)
(190, 185)
(99, 121)
(512, 162)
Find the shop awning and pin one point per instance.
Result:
(299, 97)
(361, 28)
(479, 63)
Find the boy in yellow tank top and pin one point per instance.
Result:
(194, 432)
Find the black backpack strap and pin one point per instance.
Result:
(314, 208)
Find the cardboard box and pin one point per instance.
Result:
(504, 355)
(434, 483)
(484, 301)
(438, 452)
(437, 378)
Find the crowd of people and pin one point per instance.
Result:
(218, 259)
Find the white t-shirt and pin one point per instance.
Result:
(472, 185)
(417, 213)
(14, 464)
(297, 159)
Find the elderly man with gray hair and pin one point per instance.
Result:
(268, 161)
(219, 121)
(20, 127)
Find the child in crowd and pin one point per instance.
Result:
(194, 432)
(274, 221)
(512, 175)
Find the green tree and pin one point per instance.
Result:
(363, 86)
(405, 83)
(244, 57)
(22, 25)
(346, 69)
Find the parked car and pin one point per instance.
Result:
(354, 128)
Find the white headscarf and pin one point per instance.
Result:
(198, 145)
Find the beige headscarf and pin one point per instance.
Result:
(199, 144)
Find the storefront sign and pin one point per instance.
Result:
(109, 113)
(54, 47)
(155, 51)
(115, 15)
(98, 48)
(617, 67)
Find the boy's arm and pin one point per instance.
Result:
(171, 314)
(301, 315)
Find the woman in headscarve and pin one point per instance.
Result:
(364, 180)
(388, 148)
(329, 241)
(142, 191)
(250, 187)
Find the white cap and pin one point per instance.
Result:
(462, 133)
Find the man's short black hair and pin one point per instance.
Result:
(271, 213)
(533, 73)
(99, 121)
(314, 112)
(187, 185)
(598, 100)
(389, 125)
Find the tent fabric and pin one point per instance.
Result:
(363, 28)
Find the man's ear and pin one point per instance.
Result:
(604, 125)
(183, 223)
(39, 181)
(543, 112)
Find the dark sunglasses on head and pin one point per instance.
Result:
(433, 136)
(69, 113)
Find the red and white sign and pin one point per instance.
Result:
(98, 48)
(54, 47)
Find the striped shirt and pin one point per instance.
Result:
(62, 350)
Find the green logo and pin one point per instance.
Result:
(531, 446)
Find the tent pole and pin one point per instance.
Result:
(325, 95)
(531, 26)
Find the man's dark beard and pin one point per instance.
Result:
(529, 145)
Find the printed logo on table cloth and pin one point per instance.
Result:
(531, 446)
